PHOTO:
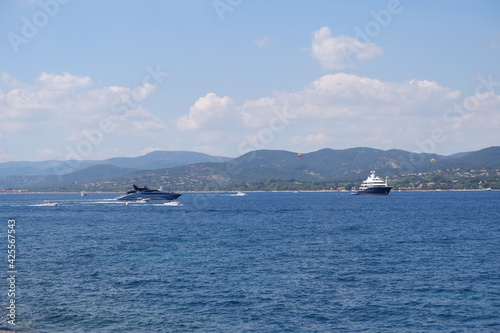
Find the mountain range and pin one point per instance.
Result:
(195, 171)
(153, 160)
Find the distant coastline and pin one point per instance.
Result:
(262, 170)
(2, 192)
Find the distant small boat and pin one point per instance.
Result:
(488, 189)
(142, 200)
(83, 193)
(173, 203)
(47, 204)
(239, 194)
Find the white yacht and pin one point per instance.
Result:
(374, 185)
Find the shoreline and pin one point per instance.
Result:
(284, 191)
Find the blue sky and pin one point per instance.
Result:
(98, 79)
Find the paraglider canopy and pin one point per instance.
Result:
(299, 154)
(433, 160)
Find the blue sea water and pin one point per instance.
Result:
(266, 262)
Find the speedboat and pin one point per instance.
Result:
(173, 203)
(373, 185)
(47, 204)
(144, 193)
(239, 194)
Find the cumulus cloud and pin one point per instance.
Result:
(351, 93)
(64, 82)
(57, 109)
(476, 116)
(256, 113)
(336, 110)
(340, 52)
(72, 102)
(208, 111)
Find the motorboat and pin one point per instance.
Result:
(373, 185)
(47, 204)
(172, 203)
(239, 194)
(144, 193)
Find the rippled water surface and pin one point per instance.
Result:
(266, 262)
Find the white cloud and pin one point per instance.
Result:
(208, 111)
(336, 110)
(319, 139)
(150, 150)
(47, 154)
(263, 42)
(258, 113)
(351, 93)
(10, 81)
(2, 155)
(476, 117)
(340, 52)
(360, 111)
(71, 102)
(64, 82)
(57, 109)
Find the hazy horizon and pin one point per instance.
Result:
(231, 157)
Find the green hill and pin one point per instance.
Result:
(325, 168)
